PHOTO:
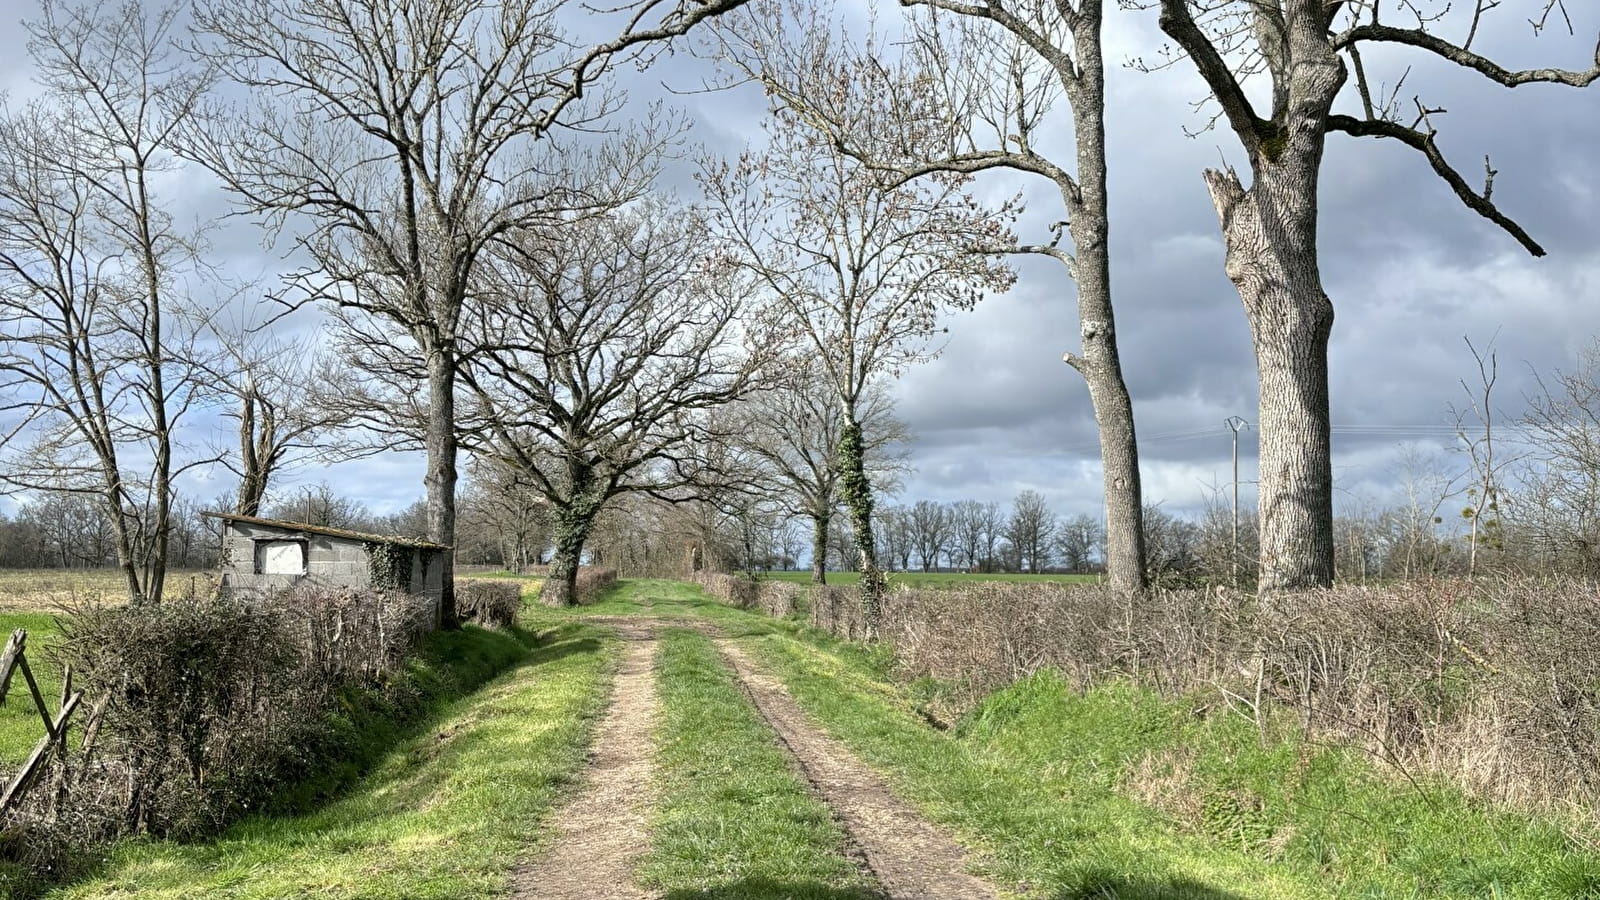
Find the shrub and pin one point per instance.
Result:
(779, 599)
(734, 590)
(487, 602)
(206, 705)
(591, 582)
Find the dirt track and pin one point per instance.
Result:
(603, 830)
(910, 857)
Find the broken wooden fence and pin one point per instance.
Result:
(15, 657)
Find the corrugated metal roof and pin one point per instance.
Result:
(330, 532)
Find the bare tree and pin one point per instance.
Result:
(1556, 508)
(1077, 540)
(503, 510)
(321, 504)
(399, 140)
(1307, 50)
(1172, 544)
(859, 266)
(603, 350)
(931, 530)
(994, 523)
(968, 524)
(278, 387)
(793, 428)
(1030, 529)
(1415, 548)
(972, 90)
(1485, 527)
(895, 537)
(100, 359)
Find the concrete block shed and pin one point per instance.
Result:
(261, 556)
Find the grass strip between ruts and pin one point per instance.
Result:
(447, 814)
(734, 820)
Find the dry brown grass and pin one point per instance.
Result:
(48, 590)
(1494, 685)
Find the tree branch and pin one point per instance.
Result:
(1417, 37)
(1424, 143)
(1179, 25)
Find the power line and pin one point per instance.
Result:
(1346, 430)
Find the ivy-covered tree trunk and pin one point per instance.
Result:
(858, 500)
(561, 586)
(819, 547)
(570, 523)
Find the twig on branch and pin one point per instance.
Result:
(1424, 143)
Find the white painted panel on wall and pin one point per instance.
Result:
(281, 558)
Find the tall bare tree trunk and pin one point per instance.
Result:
(1100, 365)
(440, 480)
(819, 547)
(1270, 231)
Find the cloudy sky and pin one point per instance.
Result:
(1410, 271)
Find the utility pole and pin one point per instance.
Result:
(1234, 423)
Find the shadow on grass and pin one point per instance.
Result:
(769, 889)
(368, 722)
(1122, 887)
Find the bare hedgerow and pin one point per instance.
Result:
(488, 603)
(779, 599)
(200, 695)
(591, 581)
(203, 707)
(1493, 684)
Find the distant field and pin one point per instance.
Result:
(47, 590)
(937, 579)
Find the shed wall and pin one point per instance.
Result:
(330, 561)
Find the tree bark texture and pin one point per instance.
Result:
(561, 586)
(1100, 364)
(819, 548)
(571, 522)
(440, 480)
(1270, 233)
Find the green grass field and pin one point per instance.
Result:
(938, 579)
(20, 725)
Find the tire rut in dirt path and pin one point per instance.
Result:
(911, 858)
(603, 830)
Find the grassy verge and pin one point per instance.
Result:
(1322, 810)
(735, 821)
(445, 814)
(937, 579)
(1119, 792)
(1055, 829)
